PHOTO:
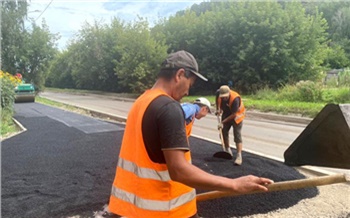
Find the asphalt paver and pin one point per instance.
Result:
(64, 165)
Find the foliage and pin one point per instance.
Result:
(25, 50)
(7, 125)
(90, 57)
(60, 75)
(308, 109)
(344, 78)
(8, 83)
(336, 95)
(265, 93)
(305, 91)
(336, 57)
(332, 82)
(13, 14)
(254, 44)
(337, 14)
(116, 57)
(38, 51)
(141, 56)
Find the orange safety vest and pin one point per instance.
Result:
(189, 127)
(142, 188)
(240, 114)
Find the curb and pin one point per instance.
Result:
(19, 125)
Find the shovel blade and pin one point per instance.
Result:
(325, 141)
(223, 154)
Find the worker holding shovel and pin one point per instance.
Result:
(230, 106)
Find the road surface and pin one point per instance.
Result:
(265, 137)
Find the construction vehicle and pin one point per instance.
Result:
(25, 92)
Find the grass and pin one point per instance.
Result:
(8, 127)
(306, 109)
(63, 106)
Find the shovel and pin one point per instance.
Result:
(281, 186)
(222, 154)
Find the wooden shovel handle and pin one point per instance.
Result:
(281, 186)
(220, 131)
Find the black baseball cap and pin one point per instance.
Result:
(182, 59)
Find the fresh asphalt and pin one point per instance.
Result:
(63, 165)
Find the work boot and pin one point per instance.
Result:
(238, 160)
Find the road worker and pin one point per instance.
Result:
(230, 105)
(196, 110)
(154, 175)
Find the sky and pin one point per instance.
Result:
(67, 17)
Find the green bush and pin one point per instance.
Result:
(344, 77)
(342, 95)
(287, 93)
(336, 95)
(265, 94)
(309, 91)
(332, 82)
(7, 84)
(303, 91)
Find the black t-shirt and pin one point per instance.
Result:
(163, 127)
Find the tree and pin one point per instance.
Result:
(13, 14)
(337, 14)
(60, 71)
(254, 44)
(93, 52)
(140, 58)
(37, 51)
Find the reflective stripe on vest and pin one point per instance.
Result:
(154, 205)
(143, 172)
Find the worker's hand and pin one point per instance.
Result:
(217, 113)
(251, 183)
(220, 126)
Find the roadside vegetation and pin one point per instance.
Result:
(8, 82)
(306, 98)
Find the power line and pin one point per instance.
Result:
(44, 10)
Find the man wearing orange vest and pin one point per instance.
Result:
(196, 110)
(230, 105)
(154, 175)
